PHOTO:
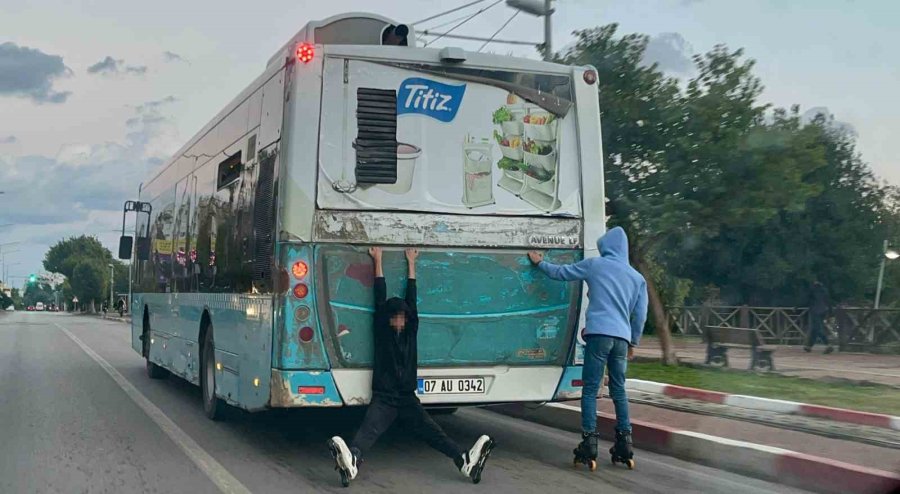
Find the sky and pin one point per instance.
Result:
(96, 94)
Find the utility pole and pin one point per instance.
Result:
(112, 275)
(887, 255)
(538, 8)
(548, 30)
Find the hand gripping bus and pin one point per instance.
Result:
(251, 275)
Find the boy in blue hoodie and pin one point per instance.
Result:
(616, 313)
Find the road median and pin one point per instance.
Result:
(768, 404)
(757, 460)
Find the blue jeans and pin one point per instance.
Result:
(612, 353)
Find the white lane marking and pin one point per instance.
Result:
(773, 450)
(226, 482)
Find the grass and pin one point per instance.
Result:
(876, 398)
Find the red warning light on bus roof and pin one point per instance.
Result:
(305, 52)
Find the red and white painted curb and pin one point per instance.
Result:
(776, 464)
(767, 404)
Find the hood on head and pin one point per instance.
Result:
(396, 305)
(614, 244)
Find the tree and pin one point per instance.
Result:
(5, 301)
(66, 254)
(37, 292)
(683, 166)
(88, 281)
(16, 297)
(835, 236)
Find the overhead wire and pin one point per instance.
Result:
(501, 29)
(447, 23)
(463, 22)
(449, 11)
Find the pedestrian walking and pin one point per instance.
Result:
(616, 314)
(394, 385)
(819, 309)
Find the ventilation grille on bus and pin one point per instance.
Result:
(263, 219)
(376, 139)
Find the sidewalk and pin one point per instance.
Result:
(793, 361)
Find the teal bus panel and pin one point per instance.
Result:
(475, 307)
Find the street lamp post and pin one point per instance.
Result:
(111, 280)
(538, 8)
(887, 254)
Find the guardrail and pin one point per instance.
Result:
(855, 328)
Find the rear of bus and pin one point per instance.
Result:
(474, 161)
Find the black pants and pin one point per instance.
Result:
(384, 411)
(817, 330)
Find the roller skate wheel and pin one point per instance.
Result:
(630, 464)
(592, 465)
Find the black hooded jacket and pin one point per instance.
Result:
(396, 355)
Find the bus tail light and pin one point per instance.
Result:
(300, 269)
(311, 390)
(590, 77)
(301, 290)
(577, 383)
(305, 52)
(306, 334)
(301, 314)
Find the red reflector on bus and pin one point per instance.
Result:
(305, 52)
(311, 390)
(301, 290)
(306, 334)
(577, 383)
(300, 270)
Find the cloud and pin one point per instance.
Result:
(110, 66)
(88, 179)
(169, 56)
(671, 52)
(30, 73)
(8, 140)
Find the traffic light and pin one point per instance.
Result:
(32, 279)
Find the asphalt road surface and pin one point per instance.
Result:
(78, 414)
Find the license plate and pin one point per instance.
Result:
(451, 385)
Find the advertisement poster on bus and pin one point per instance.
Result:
(396, 138)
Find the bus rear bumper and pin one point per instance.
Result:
(290, 389)
(503, 384)
(570, 385)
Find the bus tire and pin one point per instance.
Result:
(213, 407)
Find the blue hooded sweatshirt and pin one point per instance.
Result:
(617, 292)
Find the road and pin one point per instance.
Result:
(66, 425)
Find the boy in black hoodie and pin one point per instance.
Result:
(394, 384)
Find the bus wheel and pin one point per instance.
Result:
(212, 406)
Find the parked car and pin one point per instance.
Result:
(39, 306)
(30, 308)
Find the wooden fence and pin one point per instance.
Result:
(853, 328)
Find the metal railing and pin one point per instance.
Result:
(855, 328)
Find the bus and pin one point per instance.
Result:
(251, 276)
